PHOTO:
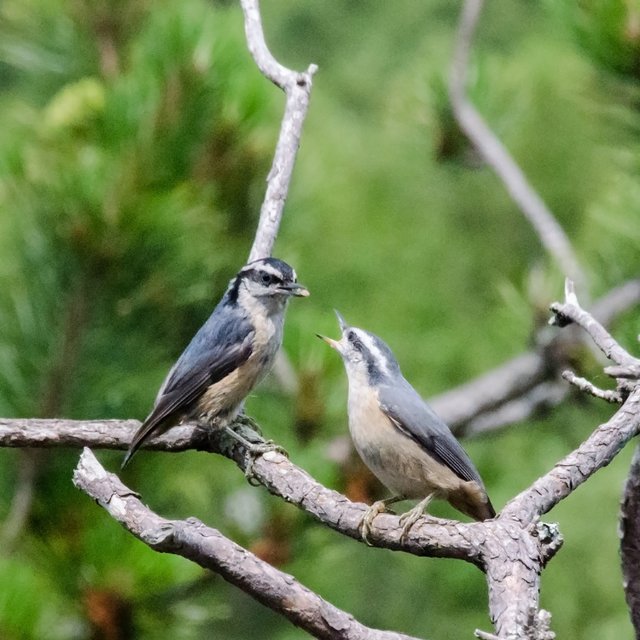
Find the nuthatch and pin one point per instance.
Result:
(230, 354)
(400, 438)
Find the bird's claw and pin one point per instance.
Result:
(255, 450)
(409, 518)
(375, 509)
(247, 421)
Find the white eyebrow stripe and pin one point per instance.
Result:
(266, 267)
(379, 357)
(270, 269)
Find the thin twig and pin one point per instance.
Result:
(297, 88)
(603, 444)
(549, 231)
(211, 550)
(570, 311)
(515, 390)
(610, 395)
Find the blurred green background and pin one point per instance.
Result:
(135, 140)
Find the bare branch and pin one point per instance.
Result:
(512, 549)
(297, 88)
(441, 538)
(571, 311)
(102, 434)
(210, 549)
(459, 406)
(596, 452)
(625, 372)
(550, 233)
(541, 398)
(593, 454)
(630, 540)
(583, 384)
(513, 391)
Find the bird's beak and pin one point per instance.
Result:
(337, 344)
(334, 344)
(295, 289)
(341, 321)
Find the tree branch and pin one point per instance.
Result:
(609, 395)
(513, 391)
(571, 311)
(512, 549)
(630, 540)
(603, 444)
(297, 88)
(210, 549)
(568, 474)
(550, 233)
(441, 538)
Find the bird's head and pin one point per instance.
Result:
(363, 353)
(269, 280)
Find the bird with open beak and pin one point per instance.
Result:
(400, 438)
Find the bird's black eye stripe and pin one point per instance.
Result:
(266, 278)
(355, 341)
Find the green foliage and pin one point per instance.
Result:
(608, 31)
(132, 161)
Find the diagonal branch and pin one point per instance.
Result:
(603, 444)
(210, 549)
(568, 474)
(514, 390)
(297, 88)
(550, 233)
(570, 311)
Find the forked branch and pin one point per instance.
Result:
(297, 88)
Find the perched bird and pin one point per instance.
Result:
(230, 354)
(400, 438)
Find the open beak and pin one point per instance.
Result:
(334, 344)
(341, 321)
(295, 289)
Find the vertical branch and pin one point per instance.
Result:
(297, 88)
(550, 233)
(630, 540)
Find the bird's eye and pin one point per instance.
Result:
(354, 340)
(266, 278)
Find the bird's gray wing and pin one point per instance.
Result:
(215, 351)
(411, 415)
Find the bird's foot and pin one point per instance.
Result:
(378, 507)
(409, 518)
(255, 448)
(243, 420)
(375, 509)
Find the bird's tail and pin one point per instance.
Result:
(145, 430)
(472, 500)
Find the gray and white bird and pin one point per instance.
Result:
(229, 355)
(400, 438)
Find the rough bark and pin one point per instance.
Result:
(210, 549)
(630, 540)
